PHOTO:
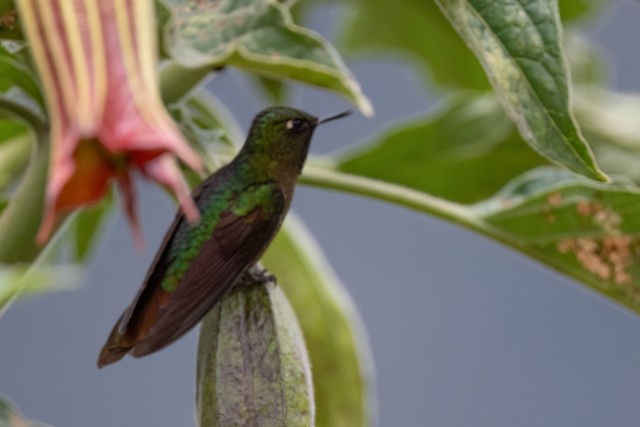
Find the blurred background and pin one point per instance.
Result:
(463, 331)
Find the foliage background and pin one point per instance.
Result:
(464, 332)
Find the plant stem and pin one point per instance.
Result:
(323, 177)
(317, 175)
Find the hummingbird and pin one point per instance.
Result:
(242, 206)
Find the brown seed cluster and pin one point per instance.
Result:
(608, 220)
(609, 257)
(553, 200)
(618, 251)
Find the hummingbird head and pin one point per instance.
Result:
(280, 136)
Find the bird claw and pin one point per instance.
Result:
(258, 275)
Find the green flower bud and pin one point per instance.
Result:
(253, 368)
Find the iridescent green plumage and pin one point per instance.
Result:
(242, 206)
(240, 198)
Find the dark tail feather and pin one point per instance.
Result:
(110, 355)
(115, 348)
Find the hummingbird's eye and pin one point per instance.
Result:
(295, 125)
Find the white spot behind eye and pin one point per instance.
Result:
(295, 124)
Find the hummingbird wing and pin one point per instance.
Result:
(157, 317)
(237, 243)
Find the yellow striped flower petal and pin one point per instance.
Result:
(97, 62)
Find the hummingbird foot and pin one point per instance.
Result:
(258, 275)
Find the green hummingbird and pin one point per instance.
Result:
(242, 206)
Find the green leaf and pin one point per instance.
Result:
(20, 220)
(10, 129)
(253, 368)
(209, 127)
(417, 28)
(449, 155)
(258, 36)
(205, 121)
(471, 133)
(86, 228)
(587, 230)
(587, 65)
(4, 202)
(610, 121)
(340, 361)
(15, 148)
(518, 44)
(273, 89)
(23, 281)
(10, 416)
(19, 89)
(178, 82)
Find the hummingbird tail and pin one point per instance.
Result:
(110, 354)
(115, 348)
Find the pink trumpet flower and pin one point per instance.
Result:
(97, 62)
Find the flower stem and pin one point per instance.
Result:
(316, 174)
(323, 177)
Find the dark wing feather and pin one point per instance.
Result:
(156, 318)
(137, 317)
(236, 244)
(161, 261)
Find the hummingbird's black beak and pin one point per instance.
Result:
(335, 116)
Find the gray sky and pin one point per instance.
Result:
(464, 332)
